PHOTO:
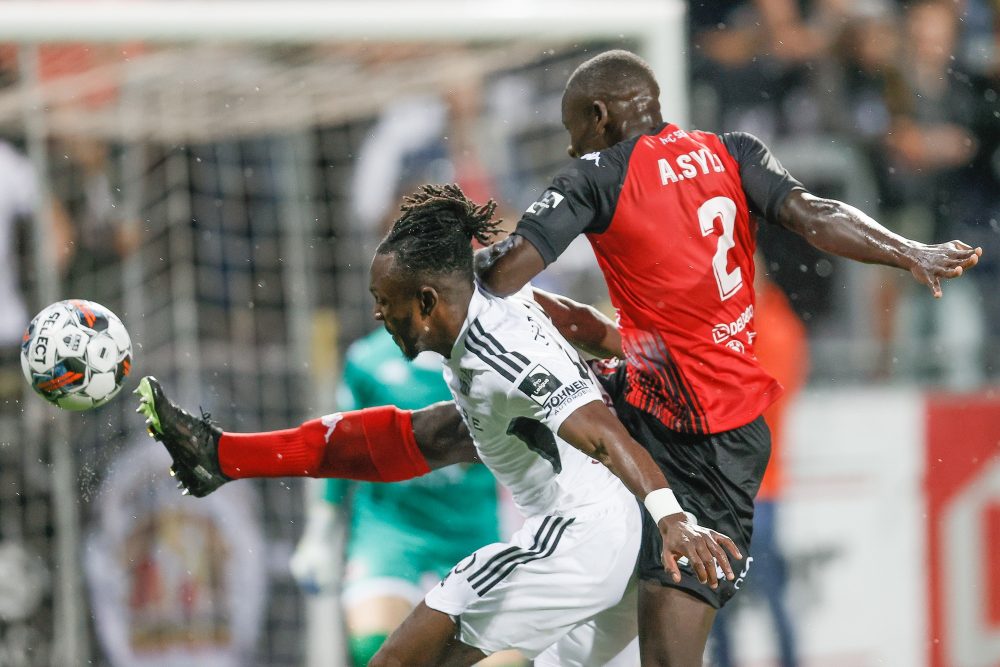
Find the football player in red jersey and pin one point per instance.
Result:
(670, 215)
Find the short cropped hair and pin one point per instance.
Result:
(616, 73)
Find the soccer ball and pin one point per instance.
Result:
(76, 354)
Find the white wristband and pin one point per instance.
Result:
(661, 503)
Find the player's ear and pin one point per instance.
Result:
(428, 298)
(599, 114)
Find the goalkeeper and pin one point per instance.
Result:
(402, 537)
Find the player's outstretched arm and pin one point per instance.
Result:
(594, 430)
(841, 229)
(375, 444)
(584, 326)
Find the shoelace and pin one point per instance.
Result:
(206, 417)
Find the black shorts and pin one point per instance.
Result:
(714, 477)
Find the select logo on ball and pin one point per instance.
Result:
(76, 354)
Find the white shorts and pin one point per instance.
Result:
(561, 591)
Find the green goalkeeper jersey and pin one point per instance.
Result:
(452, 510)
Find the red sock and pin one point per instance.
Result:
(374, 445)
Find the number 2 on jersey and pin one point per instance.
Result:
(723, 208)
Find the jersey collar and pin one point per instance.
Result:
(478, 304)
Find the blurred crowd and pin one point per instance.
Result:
(909, 92)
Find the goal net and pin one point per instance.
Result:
(219, 180)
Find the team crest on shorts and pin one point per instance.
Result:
(539, 384)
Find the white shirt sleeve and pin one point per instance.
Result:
(532, 372)
(553, 385)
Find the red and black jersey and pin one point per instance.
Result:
(669, 218)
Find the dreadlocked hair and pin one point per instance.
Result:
(435, 231)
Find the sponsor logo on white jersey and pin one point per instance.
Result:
(557, 400)
(539, 384)
(464, 380)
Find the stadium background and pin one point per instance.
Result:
(197, 169)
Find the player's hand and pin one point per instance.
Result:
(703, 547)
(317, 562)
(933, 263)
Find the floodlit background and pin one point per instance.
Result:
(218, 173)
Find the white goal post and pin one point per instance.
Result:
(658, 26)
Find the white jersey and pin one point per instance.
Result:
(515, 380)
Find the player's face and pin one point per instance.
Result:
(396, 305)
(584, 134)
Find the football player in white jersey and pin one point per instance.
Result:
(562, 590)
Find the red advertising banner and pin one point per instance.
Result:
(962, 487)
